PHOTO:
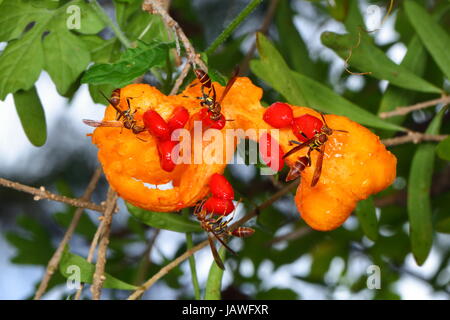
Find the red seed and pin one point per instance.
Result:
(208, 123)
(165, 154)
(279, 115)
(178, 119)
(220, 187)
(156, 125)
(219, 206)
(273, 159)
(307, 124)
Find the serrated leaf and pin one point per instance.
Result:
(443, 149)
(419, 204)
(365, 211)
(21, 63)
(34, 246)
(366, 57)
(133, 63)
(87, 271)
(31, 115)
(313, 94)
(214, 281)
(433, 36)
(164, 220)
(66, 57)
(22, 60)
(102, 50)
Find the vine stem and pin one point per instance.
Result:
(163, 271)
(107, 20)
(232, 26)
(56, 258)
(99, 277)
(192, 267)
(42, 193)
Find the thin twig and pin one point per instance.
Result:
(41, 193)
(153, 7)
(54, 261)
(400, 111)
(98, 278)
(163, 271)
(297, 233)
(91, 253)
(184, 72)
(146, 261)
(414, 137)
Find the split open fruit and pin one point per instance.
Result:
(356, 164)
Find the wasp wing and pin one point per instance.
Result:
(299, 147)
(215, 253)
(93, 123)
(318, 170)
(229, 84)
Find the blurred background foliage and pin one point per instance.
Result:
(303, 49)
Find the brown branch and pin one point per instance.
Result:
(41, 193)
(54, 261)
(163, 271)
(414, 137)
(400, 111)
(146, 261)
(297, 233)
(99, 278)
(263, 29)
(184, 72)
(155, 7)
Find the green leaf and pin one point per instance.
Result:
(365, 211)
(443, 225)
(433, 36)
(305, 91)
(164, 220)
(270, 56)
(21, 63)
(87, 271)
(443, 149)
(419, 205)
(133, 63)
(31, 115)
(214, 282)
(66, 57)
(101, 50)
(23, 59)
(34, 245)
(368, 58)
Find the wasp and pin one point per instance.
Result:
(218, 228)
(317, 143)
(124, 119)
(209, 96)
